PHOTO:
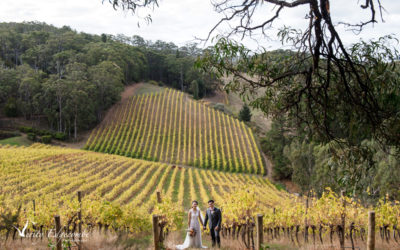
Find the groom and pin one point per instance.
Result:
(215, 222)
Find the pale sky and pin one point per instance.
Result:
(180, 21)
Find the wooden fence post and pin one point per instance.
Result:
(159, 200)
(306, 221)
(34, 213)
(371, 231)
(80, 220)
(58, 231)
(155, 233)
(260, 231)
(343, 220)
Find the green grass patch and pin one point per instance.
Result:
(279, 186)
(16, 141)
(197, 190)
(276, 246)
(176, 186)
(186, 196)
(168, 180)
(153, 189)
(148, 88)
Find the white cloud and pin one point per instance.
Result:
(180, 21)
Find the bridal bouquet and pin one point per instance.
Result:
(192, 232)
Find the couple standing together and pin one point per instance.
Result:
(195, 218)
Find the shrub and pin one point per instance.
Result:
(221, 107)
(60, 136)
(24, 129)
(10, 109)
(46, 139)
(32, 136)
(245, 114)
(153, 82)
(41, 132)
(194, 87)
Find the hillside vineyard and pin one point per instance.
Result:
(169, 127)
(53, 174)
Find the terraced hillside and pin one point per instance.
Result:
(170, 127)
(50, 175)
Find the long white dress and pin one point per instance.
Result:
(194, 223)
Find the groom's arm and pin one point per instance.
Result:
(205, 220)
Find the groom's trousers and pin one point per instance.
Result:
(215, 236)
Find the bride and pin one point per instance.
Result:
(194, 219)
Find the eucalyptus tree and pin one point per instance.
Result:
(107, 76)
(80, 102)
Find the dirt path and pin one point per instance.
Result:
(128, 92)
(82, 138)
(291, 187)
(268, 165)
(218, 97)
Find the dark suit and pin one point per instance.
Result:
(215, 220)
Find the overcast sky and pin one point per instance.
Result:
(180, 21)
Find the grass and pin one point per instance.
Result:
(176, 186)
(167, 181)
(275, 246)
(186, 197)
(262, 122)
(141, 242)
(148, 88)
(16, 141)
(280, 186)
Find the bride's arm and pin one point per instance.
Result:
(201, 218)
(189, 218)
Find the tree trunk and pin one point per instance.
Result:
(351, 235)
(60, 114)
(75, 126)
(181, 73)
(320, 234)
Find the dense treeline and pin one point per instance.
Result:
(71, 78)
(356, 161)
(367, 170)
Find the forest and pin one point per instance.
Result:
(69, 79)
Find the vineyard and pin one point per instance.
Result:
(120, 193)
(331, 221)
(169, 127)
(51, 176)
(182, 155)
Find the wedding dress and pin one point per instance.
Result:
(194, 223)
